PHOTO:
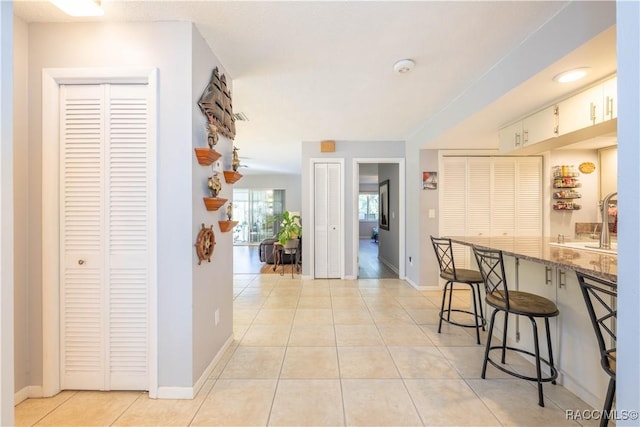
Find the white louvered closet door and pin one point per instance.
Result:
(327, 199)
(105, 240)
(453, 217)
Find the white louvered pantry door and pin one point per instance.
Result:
(327, 200)
(105, 256)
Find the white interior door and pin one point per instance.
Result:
(104, 236)
(327, 220)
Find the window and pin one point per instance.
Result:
(256, 212)
(368, 206)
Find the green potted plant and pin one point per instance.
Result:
(290, 229)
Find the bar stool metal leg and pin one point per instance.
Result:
(486, 351)
(546, 325)
(536, 347)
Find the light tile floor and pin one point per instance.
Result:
(330, 353)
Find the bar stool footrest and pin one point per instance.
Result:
(551, 378)
(481, 321)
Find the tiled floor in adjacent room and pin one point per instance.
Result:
(331, 353)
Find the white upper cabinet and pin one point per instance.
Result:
(532, 129)
(511, 137)
(540, 126)
(581, 110)
(592, 106)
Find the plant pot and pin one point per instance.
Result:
(291, 244)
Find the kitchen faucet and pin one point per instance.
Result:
(605, 238)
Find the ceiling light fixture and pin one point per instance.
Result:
(571, 75)
(79, 7)
(403, 66)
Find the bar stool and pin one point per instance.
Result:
(498, 296)
(451, 274)
(603, 318)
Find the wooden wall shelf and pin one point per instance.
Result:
(213, 204)
(207, 156)
(227, 225)
(231, 176)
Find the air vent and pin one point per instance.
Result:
(240, 117)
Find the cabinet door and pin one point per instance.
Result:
(580, 111)
(539, 126)
(537, 279)
(578, 356)
(610, 93)
(453, 217)
(528, 197)
(510, 137)
(503, 184)
(479, 196)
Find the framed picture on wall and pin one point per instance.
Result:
(383, 199)
(429, 180)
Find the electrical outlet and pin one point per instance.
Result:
(216, 316)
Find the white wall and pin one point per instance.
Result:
(428, 264)
(290, 183)
(212, 281)
(563, 222)
(166, 46)
(6, 214)
(20, 200)
(388, 240)
(628, 380)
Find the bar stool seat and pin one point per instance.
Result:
(498, 296)
(452, 274)
(462, 275)
(523, 303)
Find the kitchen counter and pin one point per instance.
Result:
(543, 267)
(540, 250)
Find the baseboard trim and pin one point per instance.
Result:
(388, 264)
(30, 391)
(350, 277)
(306, 277)
(190, 392)
(421, 288)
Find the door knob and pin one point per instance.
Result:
(80, 261)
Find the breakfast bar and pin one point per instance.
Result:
(545, 267)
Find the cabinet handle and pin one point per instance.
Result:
(547, 275)
(525, 135)
(609, 112)
(517, 139)
(592, 108)
(556, 119)
(561, 279)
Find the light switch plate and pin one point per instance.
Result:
(432, 213)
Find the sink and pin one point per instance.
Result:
(588, 246)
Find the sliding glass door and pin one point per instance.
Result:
(256, 211)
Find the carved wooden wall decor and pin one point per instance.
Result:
(215, 104)
(205, 244)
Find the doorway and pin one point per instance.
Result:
(368, 238)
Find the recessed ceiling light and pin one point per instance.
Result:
(79, 7)
(572, 75)
(403, 66)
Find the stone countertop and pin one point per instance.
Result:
(539, 250)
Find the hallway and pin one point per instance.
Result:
(370, 267)
(331, 352)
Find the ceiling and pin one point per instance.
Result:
(314, 70)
